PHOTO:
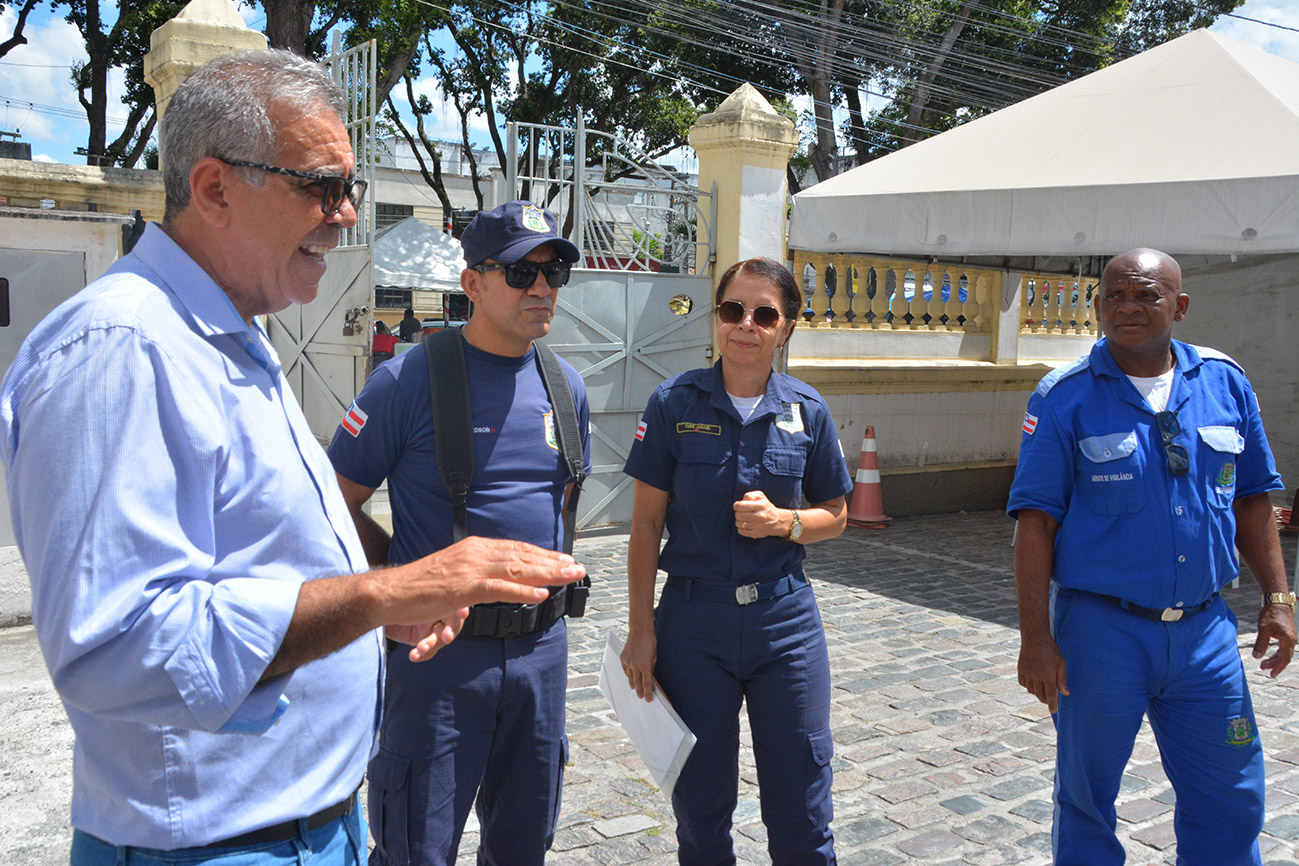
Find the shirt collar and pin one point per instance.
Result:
(209, 307)
(1185, 359)
(773, 401)
(211, 312)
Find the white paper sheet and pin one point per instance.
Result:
(662, 739)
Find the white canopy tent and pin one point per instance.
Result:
(411, 254)
(1190, 147)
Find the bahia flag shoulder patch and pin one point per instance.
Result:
(640, 432)
(1030, 423)
(354, 420)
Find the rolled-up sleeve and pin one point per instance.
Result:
(115, 522)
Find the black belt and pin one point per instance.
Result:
(285, 829)
(1158, 614)
(746, 594)
(514, 620)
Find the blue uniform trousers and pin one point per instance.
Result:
(772, 655)
(1187, 677)
(485, 717)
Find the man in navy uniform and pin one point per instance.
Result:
(1141, 464)
(487, 717)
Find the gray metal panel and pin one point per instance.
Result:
(38, 282)
(618, 329)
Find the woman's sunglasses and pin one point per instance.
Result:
(522, 275)
(764, 315)
(333, 188)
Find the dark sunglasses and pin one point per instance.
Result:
(1179, 461)
(333, 188)
(523, 275)
(764, 315)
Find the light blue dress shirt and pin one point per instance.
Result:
(169, 500)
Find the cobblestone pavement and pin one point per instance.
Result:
(941, 758)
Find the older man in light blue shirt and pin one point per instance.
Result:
(199, 591)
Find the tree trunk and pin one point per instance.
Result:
(288, 24)
(912, 133)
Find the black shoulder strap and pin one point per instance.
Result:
(453, 421)
(567, 435)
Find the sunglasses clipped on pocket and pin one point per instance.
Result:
(764, 315)
(522, 275)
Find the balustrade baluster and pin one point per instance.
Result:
(1053, 306)
(879, 303)
(851, 288)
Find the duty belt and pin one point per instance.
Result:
(745, 594)
(1158, 614)
(513, 620)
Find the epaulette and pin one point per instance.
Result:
(1208, 354)
(1050, 380)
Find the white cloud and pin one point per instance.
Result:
(1274, 40)
(38, 73)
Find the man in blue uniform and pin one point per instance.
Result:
(1141, 464)
(487, 717)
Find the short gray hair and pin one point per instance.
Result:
(225, 109)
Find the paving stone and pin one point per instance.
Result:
(1159, 836)
(861, 831)
(930, 844)
(1283, 826)
(1013, 788)
(1143, 809)
(1037, 811)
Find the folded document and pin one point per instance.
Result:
(662, 739)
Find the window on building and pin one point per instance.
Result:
(387, 214)
(388, 298)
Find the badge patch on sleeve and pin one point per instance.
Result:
(696, 427)
(640, 432)
(791, 418)
(1030, 423)
(354, 420)
(1239, 732)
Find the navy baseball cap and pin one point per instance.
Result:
(511, 231)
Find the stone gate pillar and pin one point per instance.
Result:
(743, 147)
(204, 29)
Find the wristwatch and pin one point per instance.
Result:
(795, 528)
(1279, 598)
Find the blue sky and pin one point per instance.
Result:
(37, 100)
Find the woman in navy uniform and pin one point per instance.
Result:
(723, 458)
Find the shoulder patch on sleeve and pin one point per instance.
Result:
(354, 420)
(1050, 380)
(1208, 354)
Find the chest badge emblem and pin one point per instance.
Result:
(1227, 475)
(549, 420)
(791, 418)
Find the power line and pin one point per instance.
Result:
(1265, 23)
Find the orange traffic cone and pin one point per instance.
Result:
(867, 505)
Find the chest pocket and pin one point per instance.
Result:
(1221, 445)
(1110, 469)
(703, 473)
(782, 476)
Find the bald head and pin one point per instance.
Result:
(1151, 264)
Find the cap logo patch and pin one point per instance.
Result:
(534, 219)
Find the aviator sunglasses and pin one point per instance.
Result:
(1179, 461)
(522, 275)
(764, 315)
(333, 188)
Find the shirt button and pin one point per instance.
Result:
(1179, 509)
(1181, 559)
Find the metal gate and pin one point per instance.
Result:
(324, 346)
(626, 332)
(640, 311)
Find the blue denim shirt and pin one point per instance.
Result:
(692, 444)
(1093, 458)
(169, 500)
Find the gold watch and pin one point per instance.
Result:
(795, 528)
(1279, 598)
